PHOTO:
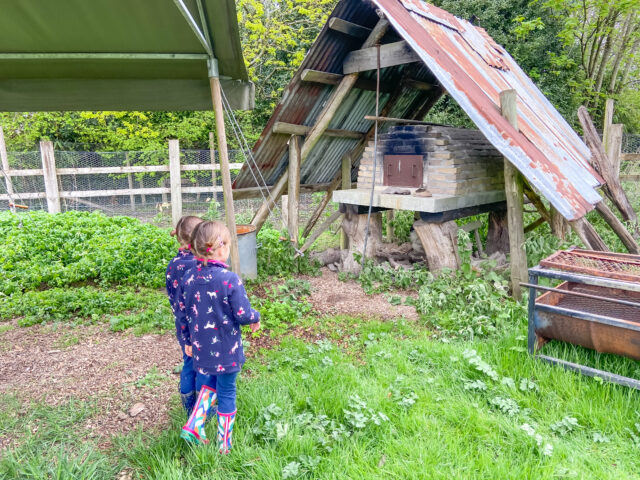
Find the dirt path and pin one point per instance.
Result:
(118, 371)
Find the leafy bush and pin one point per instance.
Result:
(149, 307)
(63, 249)
(276, 256)
(284, 305)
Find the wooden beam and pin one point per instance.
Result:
(294, 188)
(315, 216)
(614, 147)
(588, 235)
(391, 54)
(216, 95)
(514, 191)
(532, 226)
(322, 123)
(349, 28)
(50, 178)
(132, 197)
(326, 224)
(175, 181)
(293, 129)
(618, 227)
(346, 185)
(326, 78)
(212, 157)
(608, 120)
(630, 157)
(373, 118)
(612, 189)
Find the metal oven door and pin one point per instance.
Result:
(403, 170)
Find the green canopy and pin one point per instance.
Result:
(119, 55)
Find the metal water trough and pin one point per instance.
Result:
(597, 306)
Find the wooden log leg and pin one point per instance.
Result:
(390, 215)
(354, 225)
(498, 233)
(440, 244)
(558, 224)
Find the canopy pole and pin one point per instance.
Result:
(225, 171)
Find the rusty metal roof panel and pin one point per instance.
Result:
(474, 70)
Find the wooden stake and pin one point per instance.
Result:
(175, 181)
(514, 192)
(294, 187)
(315, 216)
(50, 178)
(588, 235)
(608, 120)
(216, 95)
(132, 197)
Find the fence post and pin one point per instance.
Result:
(132, 198)
(294, 188)
(176, 181)
(212, 155)
(5, 163)
(50, 180)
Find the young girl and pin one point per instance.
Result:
(182, 262)
(213, 306)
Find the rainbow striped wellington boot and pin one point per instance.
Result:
(193, 431)
(225, 429)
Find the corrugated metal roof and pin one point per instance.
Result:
(473, 69)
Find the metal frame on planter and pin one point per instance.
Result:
(534, 274)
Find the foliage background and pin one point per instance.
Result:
(578, 52)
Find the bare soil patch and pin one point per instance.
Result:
(330, 296)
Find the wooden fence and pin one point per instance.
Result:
(53, 193)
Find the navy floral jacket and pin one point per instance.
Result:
(212, 304)
(177, 267)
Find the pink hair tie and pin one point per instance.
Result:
(189, 246)
(208, 249)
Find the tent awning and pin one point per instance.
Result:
(119, 55)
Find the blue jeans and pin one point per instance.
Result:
(187, 375)
(226, 392)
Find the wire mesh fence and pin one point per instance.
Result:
(126, 191)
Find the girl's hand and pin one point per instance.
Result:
(255, 326)
(188, 350)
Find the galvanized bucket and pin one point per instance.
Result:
(248, 251)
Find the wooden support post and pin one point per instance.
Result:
(355, 226)
(618, 227)
(532, 226)
(132, 197)
(143, 197)
(346, 185)
(315, 216)
(440, 243)
(390, 216)
(558, 224)
(612, 189)
(614, 147)
(294, 188)
(216, 95)
(50, 178)
(514, 192)
(212, 156)
(608, 120)
(4, 159)
(322, 123)
(175, 180)
(391, 54)
(498, 233)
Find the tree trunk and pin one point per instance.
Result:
(498, 234)
(354, 226)
(440, 242)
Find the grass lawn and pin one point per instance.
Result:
(372, 400)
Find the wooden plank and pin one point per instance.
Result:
(448, 215)
(630, 178)
(349, 28)
(175, 181)
(514, 191)
(369, 84)
(614, 147)
(284, 211)
(631, 157)
(50, 178)
(294, 188)
(216, 95)
(588, 235)
(533, 225)
(391, 54)
(608, 120)
(373, 118)
(293, 129)
(322, 123)
(27, 172)
(4, 161)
